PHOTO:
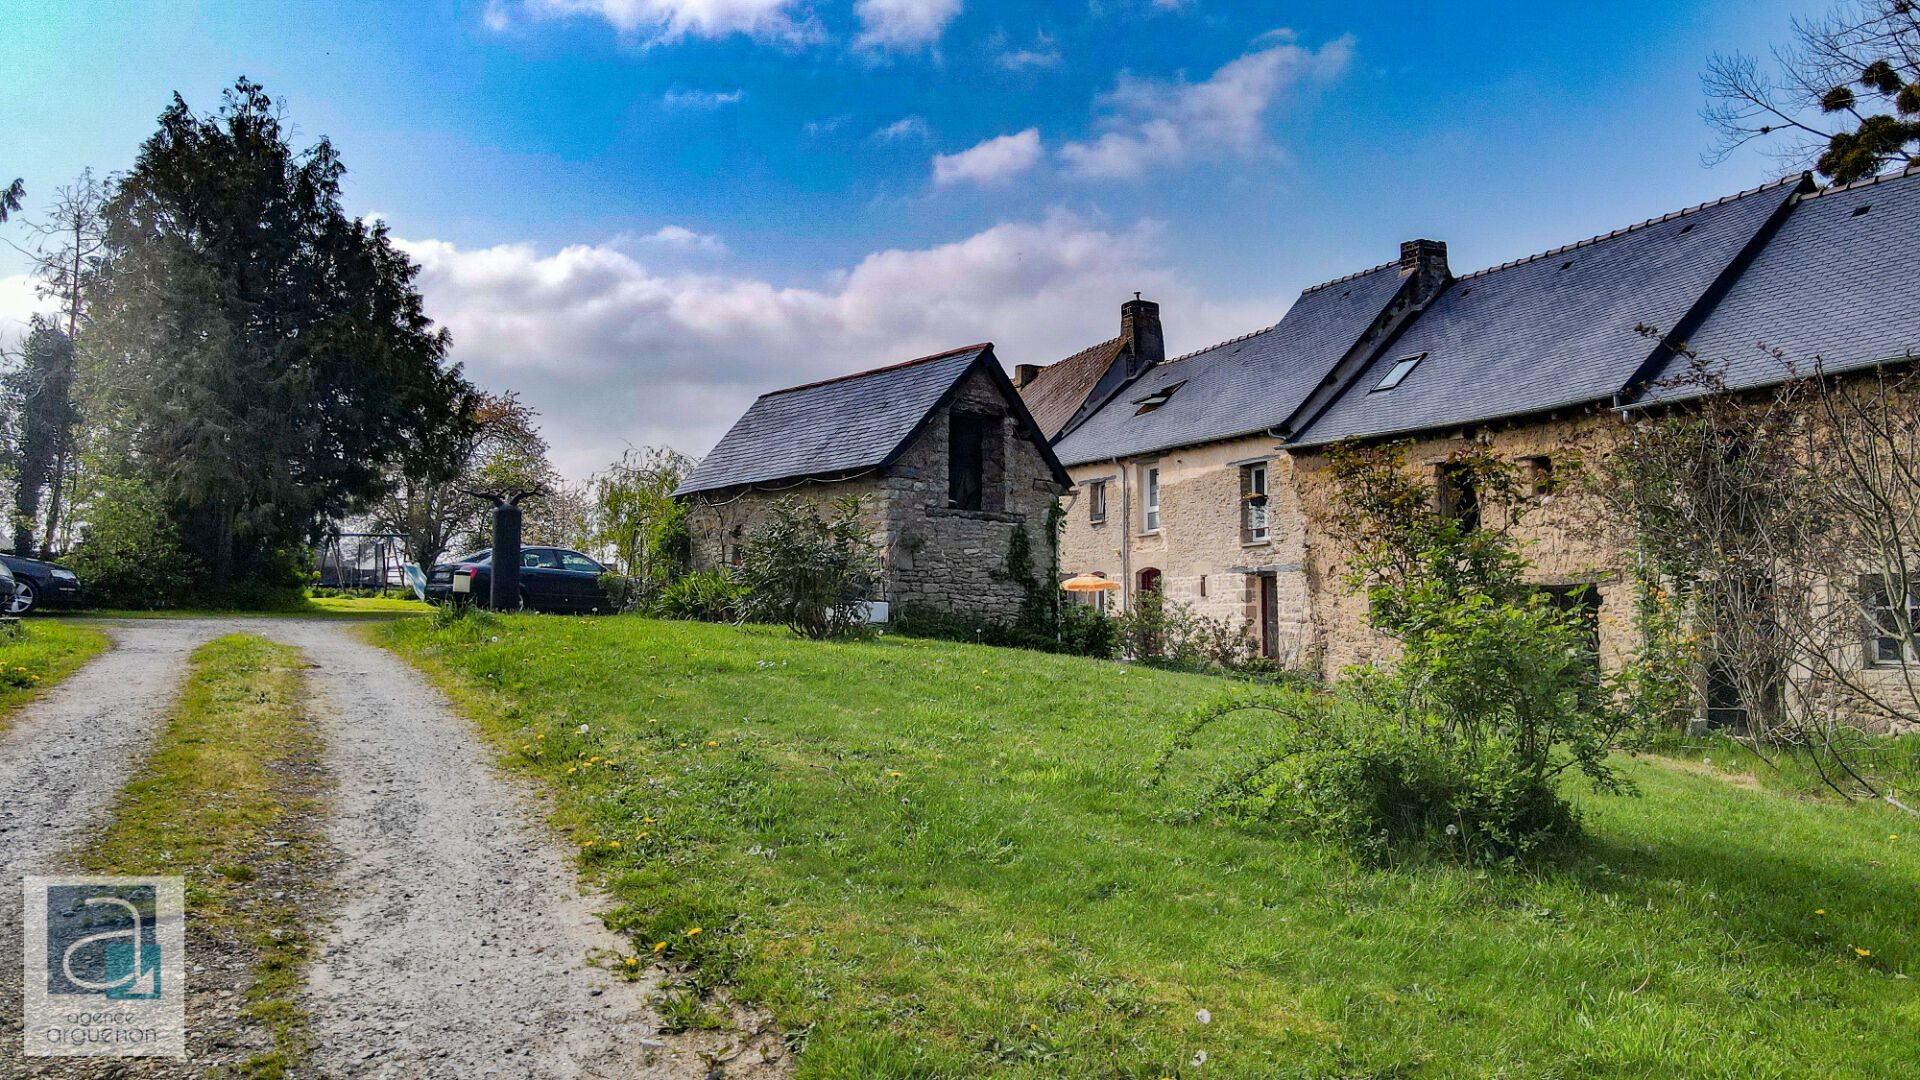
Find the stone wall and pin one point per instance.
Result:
(1567, 535)
(931, 555)
(1203, 557)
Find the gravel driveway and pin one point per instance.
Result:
(460, 944)
(64, 759)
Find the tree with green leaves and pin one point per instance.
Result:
(69, 252)
(637, 518)
(38, 400)
(263, 359)
(1843, 97)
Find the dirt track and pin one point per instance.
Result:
(460, 944)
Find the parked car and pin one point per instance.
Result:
(551, 579)
(37, 584)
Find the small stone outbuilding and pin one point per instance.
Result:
(947, 464)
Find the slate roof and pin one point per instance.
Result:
(846, 425)
(1838, 286)
(1552, 330)
(1241, 386)
(1056, 394)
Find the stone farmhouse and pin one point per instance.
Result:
(945, 459)
(1206, 475)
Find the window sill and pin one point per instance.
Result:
(1149, 532)
(1097, 522)
(1267, 542)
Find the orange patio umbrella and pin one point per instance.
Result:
(1088, 583)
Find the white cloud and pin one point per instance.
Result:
(991, 162)
(907, 127)
(1029, 59)
(702, 99)
(681, 238)
(817, 128)
(1149, 123)
(903, 24)
(20, 301)
(614, 353)
(496, 15)
(671, 20)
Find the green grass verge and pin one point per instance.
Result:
(940, 860)
(328, 606)
(38, 655)
(228, 799)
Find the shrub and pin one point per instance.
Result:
(1167, 633)
(1352, 769)
(1497, 693)
(1087, 631)
(808, 572)
(131, 555)
(705, 595)
(1079, 631)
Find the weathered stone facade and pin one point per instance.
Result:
(1202, 554)
(1566, 534)
(932, 555)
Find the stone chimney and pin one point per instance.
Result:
(1426, 260)
(1024, 374)
(1140, 332)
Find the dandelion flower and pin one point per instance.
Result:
(695, 932)
(659, 946)
(613, 843)
(1819, 911)
(1863, 953)
(1890, 836)
(571, 769)
(646, 821)
(896, 774)
(589, 843)
(526, 748)
(633, 961)
(711, 742)
(540, 736)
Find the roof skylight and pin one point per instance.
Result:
(1402, 368)
(1156, 399)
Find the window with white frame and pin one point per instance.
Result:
(1253, 503)
(1097, 502)
(1150, 498)
(1893, 632)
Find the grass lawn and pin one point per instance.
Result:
(40, 655)
(939, 860)
(228, 798)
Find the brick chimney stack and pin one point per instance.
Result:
(1024, 374)
(1140, 332)
(1426, 260)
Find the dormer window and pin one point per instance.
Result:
(1402, 368)
(1156, 399)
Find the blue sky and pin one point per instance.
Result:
(640, 213)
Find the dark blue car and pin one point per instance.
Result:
(39, 584)
(551, 579)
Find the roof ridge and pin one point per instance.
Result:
(977, 346)
(1344, 278)
(1867, 181)
(1797, 178)
(1217, 345)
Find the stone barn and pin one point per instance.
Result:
(947, 463)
